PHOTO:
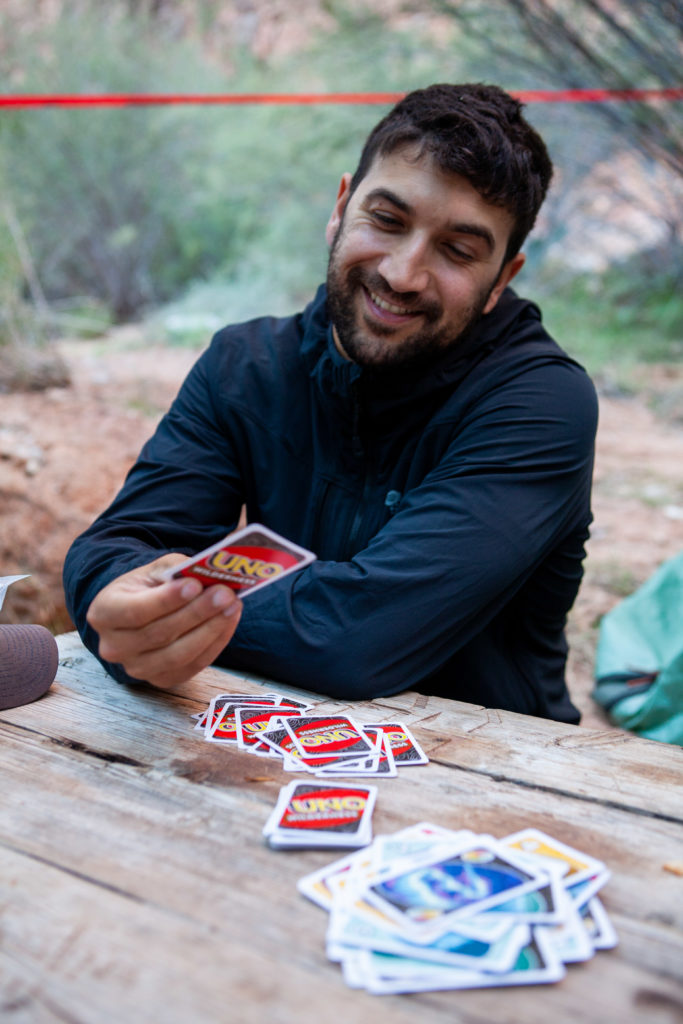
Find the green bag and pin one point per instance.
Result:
(639, 660)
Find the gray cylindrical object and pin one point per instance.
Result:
(28, 664)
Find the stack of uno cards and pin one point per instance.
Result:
(428, 908)
(221, 723)
(328, 746)
(244, 561)
(310, 814)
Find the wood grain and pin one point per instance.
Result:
(135, 885)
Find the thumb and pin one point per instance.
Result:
(157, 570)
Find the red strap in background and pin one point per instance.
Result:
(293, 99)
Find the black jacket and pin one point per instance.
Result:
(448, 508)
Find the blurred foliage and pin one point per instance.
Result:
(630, 314)
(605, 44)
(217, 213)
(130, 205)
(113, 201)
(26, 364)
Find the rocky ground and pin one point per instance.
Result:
(64, 452)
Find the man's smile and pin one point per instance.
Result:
(390, 307)
(386, 311)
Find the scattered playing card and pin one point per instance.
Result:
(405, 748)
(380, 763)
(428, 908)
(244, 561)
(382, 974)
(328, 735)
(319, 814)
(443, 884)
(221, 726)
(251, 722)
(539, 847)
(327, 746)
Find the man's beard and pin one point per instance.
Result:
(375, 347)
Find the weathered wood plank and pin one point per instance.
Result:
(71, 809)
(611, 767)
(23, 997)
(98, 956)
(88, 954)
(135, 885)
(608, 766)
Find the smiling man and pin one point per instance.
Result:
(415, 426)
(417, 257)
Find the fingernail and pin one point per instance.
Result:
(221, 598)
(232, 608)
(191, 589)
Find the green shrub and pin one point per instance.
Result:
(113, 200)
(630, 314)
(129, 206)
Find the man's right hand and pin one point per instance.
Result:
(163, 632)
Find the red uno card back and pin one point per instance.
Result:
(325, 808)
(245, 561)
(320, 735)
(405, 748)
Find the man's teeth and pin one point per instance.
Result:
(389, 306)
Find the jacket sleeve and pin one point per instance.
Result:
(514, 482)
(182, 494)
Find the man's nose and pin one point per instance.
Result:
(404, 267)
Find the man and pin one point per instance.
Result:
(415, 426)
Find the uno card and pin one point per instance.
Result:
(581, 892)
(315, 814)
(221, 726)
(550, 904)
(440, 886)
(530, 842)
(569, 939)
(429, 908)
(347, 928)
(208, 719)
(381, 762)
(328, 736)
(344, 767)
(404, 746)
(382, 973)
(279, 740)
(245, 560)
(599, 928)
(387, 762)
(316, 885)
(251, 722)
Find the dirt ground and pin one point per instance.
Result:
(64, 453)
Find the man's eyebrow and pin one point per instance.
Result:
(391, 197)
(478, 230)
(454, 227)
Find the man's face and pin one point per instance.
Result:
(416, 259)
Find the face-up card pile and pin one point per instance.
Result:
(428, 908)
(244, 561)
(327, 746)
(310, 814)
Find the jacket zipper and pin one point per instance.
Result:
(358, 518)
(319, 520)
(359, 452)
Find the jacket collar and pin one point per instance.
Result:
(338, 377)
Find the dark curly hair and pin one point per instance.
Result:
(478, 132)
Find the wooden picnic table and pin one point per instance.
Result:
(135, 885)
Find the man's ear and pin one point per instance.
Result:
(339, 207)
(510, 270)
